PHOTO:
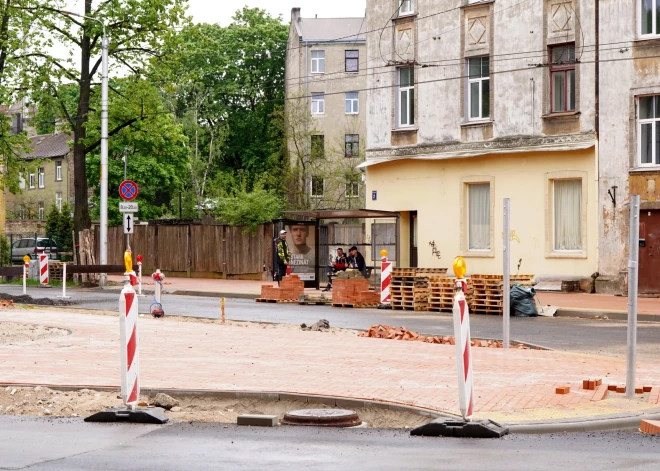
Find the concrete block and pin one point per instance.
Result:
(257, 420)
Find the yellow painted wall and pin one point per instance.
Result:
(434, 189)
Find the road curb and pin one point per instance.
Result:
(209, 294)
(593, 425)
(611, 315)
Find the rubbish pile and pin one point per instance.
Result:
(321, 326)
(382, 331)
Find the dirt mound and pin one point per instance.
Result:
(27, 299)
(13, 332)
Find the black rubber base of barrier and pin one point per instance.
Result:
(141, 415)
(461, 429)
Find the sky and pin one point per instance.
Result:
(221, 11)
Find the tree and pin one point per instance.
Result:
(250, 208)
(59, 226)
(137, 29)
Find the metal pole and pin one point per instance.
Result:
(507, 272)
(25, 275)
(633, 266)
(104, 158)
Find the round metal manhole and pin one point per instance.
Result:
(322, 418)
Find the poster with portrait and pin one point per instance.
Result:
(301, 239)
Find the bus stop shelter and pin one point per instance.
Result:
(314, 236)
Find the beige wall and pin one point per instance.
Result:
(435, 189)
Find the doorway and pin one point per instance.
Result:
(649, 251)
(413, 239)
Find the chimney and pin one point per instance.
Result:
(295, 14)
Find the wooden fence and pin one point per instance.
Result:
(196, 250)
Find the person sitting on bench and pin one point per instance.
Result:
(356, 261)
(338, 264)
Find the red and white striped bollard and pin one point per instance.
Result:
(130, 352)
(385, 278)
(43, 269)
(461, 315)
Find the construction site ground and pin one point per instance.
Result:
(512, 386)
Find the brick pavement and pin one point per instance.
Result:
(253, 357)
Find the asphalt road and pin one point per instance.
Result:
(69, 444)
(605, 337)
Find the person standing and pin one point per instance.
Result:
(283, 256)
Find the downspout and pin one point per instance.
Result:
(307, 108)
(597, 121)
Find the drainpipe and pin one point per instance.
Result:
(597, 60)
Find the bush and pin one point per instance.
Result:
(59, 226)
(249, 208)
(5, 252)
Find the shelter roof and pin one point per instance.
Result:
(343, 214)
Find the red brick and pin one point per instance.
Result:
(611, 387)
(639, 390)
(599, 381)
(585, 384)
(592, 385)
(563, 390)
(647, 388)
(650, 426)
(621, 388)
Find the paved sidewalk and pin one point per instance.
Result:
(510, 386)
(578, 304)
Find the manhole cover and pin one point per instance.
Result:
(322, 418)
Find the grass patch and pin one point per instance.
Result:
(54, 283)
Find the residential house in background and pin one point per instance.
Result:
(51, 183)
(326, 75)
(473, 102)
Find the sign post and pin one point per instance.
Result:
(633, 272)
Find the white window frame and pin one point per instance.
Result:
(406, 7)
(32, 181)
(40, 210)
(58, 170)
(410, 101)
(352, 184)
(318, 104)
(654, 25)
(58, 200)
(352, 103)
(654, 122)
(554, 222)
(490, 219)
(318, 62)
(480, 81)
(42, 178)
(311, 188)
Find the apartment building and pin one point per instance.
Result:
(470, 102)
(326, 75)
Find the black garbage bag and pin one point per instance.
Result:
(522, 302)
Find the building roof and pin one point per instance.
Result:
(343, 213)
(50, 145)
(332, 29)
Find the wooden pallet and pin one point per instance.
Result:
(266, 300)
(354, 305)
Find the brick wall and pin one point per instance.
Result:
(24, 228)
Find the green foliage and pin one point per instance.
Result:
(5, 252)
(250, 208)
(59, 226)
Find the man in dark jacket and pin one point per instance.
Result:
(283, 256)
(356, 261)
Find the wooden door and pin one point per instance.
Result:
(649, 251)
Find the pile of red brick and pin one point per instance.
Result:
(401, 333)
(290, 289)
(353, 291)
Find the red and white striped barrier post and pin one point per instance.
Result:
(385, 278)
(130, 352)
(463, 342)
(139, 262)
(26, 269)
(43, 269)
(64, 296)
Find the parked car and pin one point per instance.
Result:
(24, 247)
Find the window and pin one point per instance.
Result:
(352, 145)
(42, 183)
(649, 19)
(58, 200)
(318, 103)
(318, 62)
(407, 7)
(32, 178)
(21, 213)
(318, 146)
(40, 210)
(648, 130)
(21, 181)
(352, 186)
(562, 78)
(567, 211)
(478, 88)
(58, 171)
(318, 185)
(352, 61)
(406, 97)
(352, 103)
(479, 216)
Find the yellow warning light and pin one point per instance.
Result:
(383, 253)
(460, 268)
(26, 259)
(128, 261)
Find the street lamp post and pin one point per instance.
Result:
(103, 236)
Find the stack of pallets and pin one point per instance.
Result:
(487, 292)
(441, 298)
(410, 287)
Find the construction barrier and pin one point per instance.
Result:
(64, 296)
(43, 269)
(385, 278)
(130, 352)
(461, 316)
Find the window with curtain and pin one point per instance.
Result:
(406, 97)
(568, 214)
(479, 88)
(649, 18)
(479, 216)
